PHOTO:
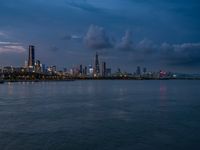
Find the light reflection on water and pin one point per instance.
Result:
(163, 95)
(100, 115)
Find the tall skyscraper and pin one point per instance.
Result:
(85, 70)
(96, 65)
(31, 56)
(103, 69)
(138, 71)
(144, 70)
(81, 69)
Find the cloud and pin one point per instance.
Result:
(186, 54)
(147, 46)
(14, 47)
(72, 37)
(126, 42)
(85, 6)
(146, 51)
(9, 43)
(3, 34)
(76, 36)
(96, 38)
(143, 46)
(182, 55)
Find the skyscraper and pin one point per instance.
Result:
(144, 70)
(37, 66)
(90, 70)
(96, 65)
(138, 71)
(103, 69)
(81, 70)
(31, 56)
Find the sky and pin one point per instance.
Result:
(156, 34)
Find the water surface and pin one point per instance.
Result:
(100, 115)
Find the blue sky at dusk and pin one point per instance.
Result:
(157, 34)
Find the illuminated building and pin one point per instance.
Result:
(37, 66)
(8, 69)
(96, 66)
(26, 64)
(51, 69)
(91, 70)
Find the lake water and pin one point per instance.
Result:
(100, 115)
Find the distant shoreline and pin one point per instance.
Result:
(79, 79)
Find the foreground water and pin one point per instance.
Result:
(100, 115)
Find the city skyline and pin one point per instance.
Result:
(35, 70)
(156, 35)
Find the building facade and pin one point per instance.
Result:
(31, 56)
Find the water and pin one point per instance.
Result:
(100, 115)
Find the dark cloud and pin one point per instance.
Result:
(186, 54)
(146, 51)
(147, 46)
(43, 24)
(126, 42)
(96, 38)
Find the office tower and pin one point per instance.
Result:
(103, 69)
(90, 70)
(96, 66)
(26, 64)
(81, 69)
(54, 69)
(108, 72)
(37, 66)
(85, 71)
(138, 71)
(118, 70)
(144, 70)
(31, 56)
(51, 69)
(43, 68)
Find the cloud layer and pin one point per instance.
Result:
(156, 25)
(96, 38)
(186, 54)
(11, 47)
(126, 41)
